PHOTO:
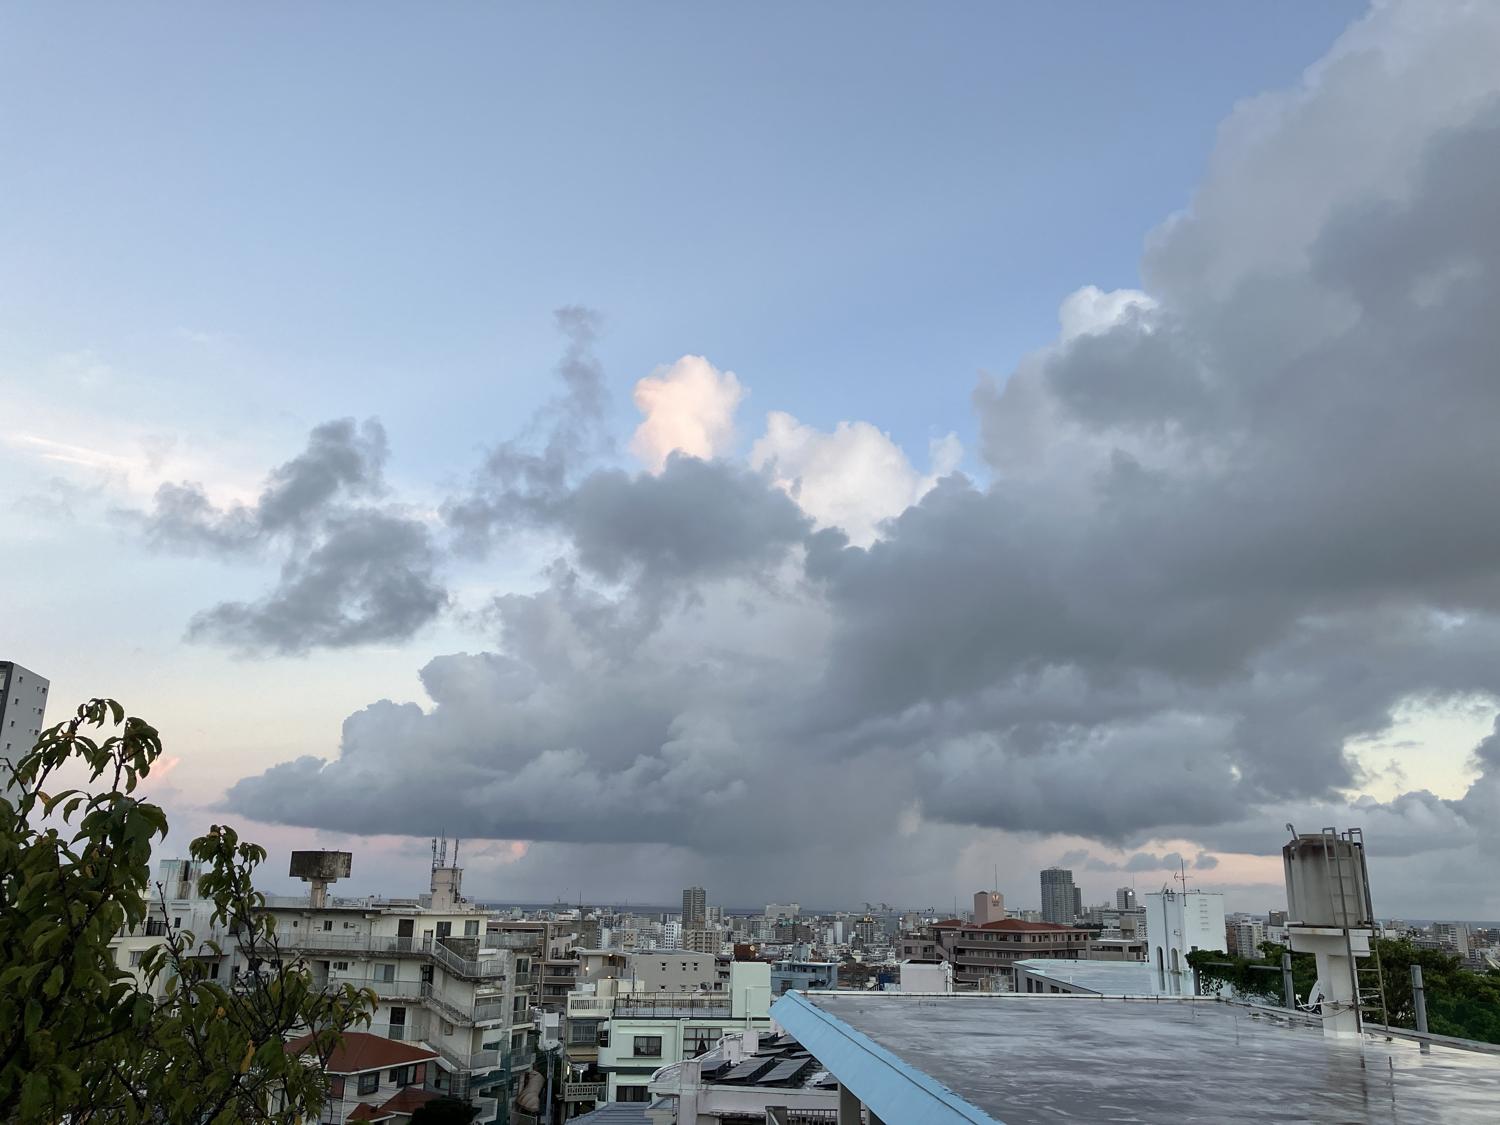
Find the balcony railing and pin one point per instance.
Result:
(585, 1091)
(672, 1005)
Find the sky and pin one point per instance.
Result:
(823, 452)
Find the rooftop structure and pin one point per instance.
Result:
(1022, 1060)
(982, 955)
(748, 1075)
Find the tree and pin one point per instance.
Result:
(445, 1111)
(80, 1038)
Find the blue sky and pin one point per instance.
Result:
(376, 210)
(222, 227)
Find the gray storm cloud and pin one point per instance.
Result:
(353, 572)
(1222, 535)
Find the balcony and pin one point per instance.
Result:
(673, 1005)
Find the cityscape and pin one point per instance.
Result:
(858, 563)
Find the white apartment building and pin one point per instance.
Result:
(23, 709)
(441, 980)
(639, 1031)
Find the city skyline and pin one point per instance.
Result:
(821, 457)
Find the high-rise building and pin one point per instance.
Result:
(1125, 898)
(989, 906)
(694, 908)
(23, 707)
(1060, 898)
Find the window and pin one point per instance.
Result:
(327, 924)
(582, 1033)
(632, 1094)
(647, 1047)
(447, 1028)
(135, 957)
(369, 1082)
(400, 1075)
(398, 1017)
(471, 928)
(696, 1040)
(341, 966)
(444, 929)
(386, 973)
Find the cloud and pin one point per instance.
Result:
(370, 578)
(523, 479)
(854, 478)
(689, 408)
(353, 573)
(1232, 524)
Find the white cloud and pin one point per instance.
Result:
(1090, 309)
(689, 408)
(852, 478)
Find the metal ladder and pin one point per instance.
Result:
(1367, 978)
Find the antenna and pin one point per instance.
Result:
(1182, 864)
(455, 851)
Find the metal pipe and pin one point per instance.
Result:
(1419, 998)
(1288, 990)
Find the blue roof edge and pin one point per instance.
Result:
(893, 1089)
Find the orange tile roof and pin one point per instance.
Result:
(362, 1051)
(364, 1111)
(408, 1100)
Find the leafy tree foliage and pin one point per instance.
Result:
(83, 1039)
(1460, 1002)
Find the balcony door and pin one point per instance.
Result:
(404, 933)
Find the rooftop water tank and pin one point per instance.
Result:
(1326, 880)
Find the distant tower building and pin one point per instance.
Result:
(1060, 898)
(23, 707)
(694, 908)
(1077, 902)
(1125, 898)
(989, 906)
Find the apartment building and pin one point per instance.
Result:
(441, 980)
(23, 709)
(982, 955)
(637, 1031)
(374, 1079)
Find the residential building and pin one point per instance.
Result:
(1244, 935)
(982, 956)
(747, 1076)
(441, 980)
(694, 908)
(1016, 1059)
(703, 940)
(23, 709)
(639, 1031)
(374, 1079)
(1125, 898)
(804, 975)
(989, 906)
(1060, 898)
(1178, 922)
(1452, 936)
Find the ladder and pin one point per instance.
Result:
(1367, 978)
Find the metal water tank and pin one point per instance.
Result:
(1326, 880)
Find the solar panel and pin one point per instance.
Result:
(748, 1071)
(789, 1070)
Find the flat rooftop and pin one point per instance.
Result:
(1017, 1060)
(1109, 978)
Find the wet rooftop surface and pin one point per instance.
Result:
(1030, 1059)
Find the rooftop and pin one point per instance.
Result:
(1014, 925)
(362, 1051)
(1020, 1060)
(1107, 978)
